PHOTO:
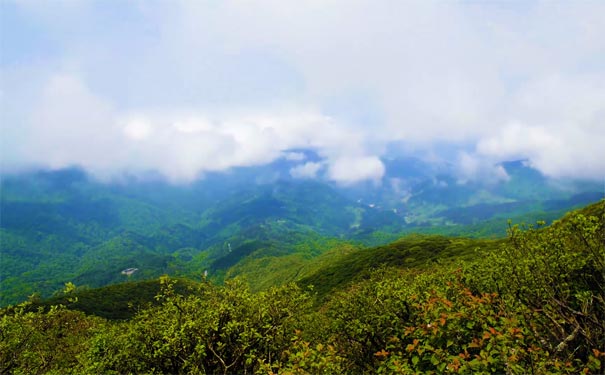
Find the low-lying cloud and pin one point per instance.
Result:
(185, 88)
(357, 168)
(307, 170)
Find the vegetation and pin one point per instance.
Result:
(116, 302)
(61, 226)
(417, 252)
(533, 303)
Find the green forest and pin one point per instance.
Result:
(200, 187)
(64, 226)
(530, 303)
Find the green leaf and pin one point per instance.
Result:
(415, 360)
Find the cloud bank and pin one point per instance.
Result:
(189, 87)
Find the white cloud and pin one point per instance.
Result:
(294, 156)
(518, 141)
(564, 152)
(352, 169)
(307, 170)
(189, 87)
(70, 125)
(194, 124)
(479, 168)
(137, 129)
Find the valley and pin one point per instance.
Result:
(64, 226)
(199, 187)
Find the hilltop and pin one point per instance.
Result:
(421, 304)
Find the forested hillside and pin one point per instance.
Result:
(302, 187)
(64, 226)
(530, 303)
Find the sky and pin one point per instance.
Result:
(189, 87)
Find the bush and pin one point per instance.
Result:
(216, 330)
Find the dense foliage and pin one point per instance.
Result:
(60, 226)
(533, 304)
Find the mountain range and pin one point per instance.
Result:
(65, 226)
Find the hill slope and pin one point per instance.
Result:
(414, 252)
(61, 226)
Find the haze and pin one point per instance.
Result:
(188, 87)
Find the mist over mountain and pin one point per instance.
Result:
(64, 225)
(302, 187)
(194, 88)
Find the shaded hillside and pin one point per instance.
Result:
(118, 301)
(412, 252)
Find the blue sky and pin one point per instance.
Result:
(187, 87)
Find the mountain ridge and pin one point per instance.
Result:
(59, 226)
